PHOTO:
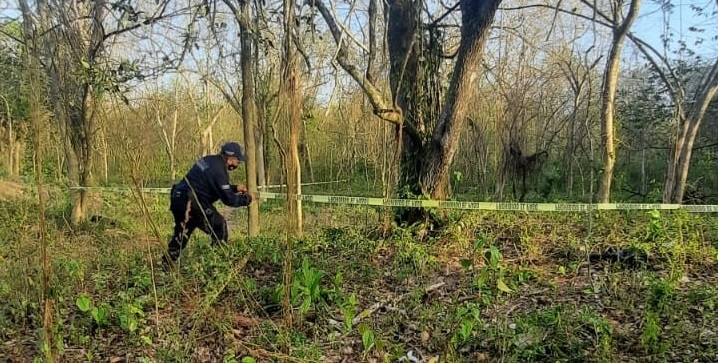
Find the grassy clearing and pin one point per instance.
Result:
(503, 287)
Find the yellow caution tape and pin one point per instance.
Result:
(497, 206)
(452, 204)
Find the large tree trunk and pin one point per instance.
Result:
(249, 115)
(425, 164)
(428, 134)
(74, 46)
(404, 36)
(610, 85)
(476, 22)
(78, 175)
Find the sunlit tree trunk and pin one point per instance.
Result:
(608, 97)
(290, 103)
(679, 162)
(291, 86)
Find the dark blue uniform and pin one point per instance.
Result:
(191, 202)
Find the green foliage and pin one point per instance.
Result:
(513, 288)
(368, 338)
(349, 309)
(306, 291)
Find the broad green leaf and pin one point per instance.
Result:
(83, 303)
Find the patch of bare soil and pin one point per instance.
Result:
(10, 190)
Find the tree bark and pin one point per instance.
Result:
(414, 109)
(249, 116)
(10, 139)
(38, 118)
(18, 146)
(476, 22)
(291, 84)
(610, 85)
(404, 36)
(644, 175)
(259, 146)
(680, 160)
(169, 140)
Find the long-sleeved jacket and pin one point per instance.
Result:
(209, 180)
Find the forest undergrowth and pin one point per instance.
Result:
(623, 286)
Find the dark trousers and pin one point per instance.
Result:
(189, 215)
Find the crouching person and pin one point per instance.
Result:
(192, 199)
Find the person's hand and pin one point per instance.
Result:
(241, 189)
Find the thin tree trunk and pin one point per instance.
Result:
(168, 142)
(610, 85)
(292, 120)
(249, 116)
(644, 176)
(259, 146)
(293, 165)
(38, 119)
(173, 159)
(18, 146)
(306, 155)
(105, 155)
(10, 139)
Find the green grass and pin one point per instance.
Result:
(493, 286)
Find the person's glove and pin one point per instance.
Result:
(240, 189)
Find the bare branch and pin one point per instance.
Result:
(438, 20)
(651, 54)
(372, 39)
(381, 108)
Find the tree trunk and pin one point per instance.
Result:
(38, 120)
(429, 134)
(294, 113)
(167, 140)
(249, 116)
(610, 85)
(644, 174)
(569, 157)
(291, 107)
(680, 162)
(259, 146)
(476, 22)
(305, 154)
(10, 139)
(105, 156)
(173, 159)
(404, 38)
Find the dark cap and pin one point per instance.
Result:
(234, 149)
